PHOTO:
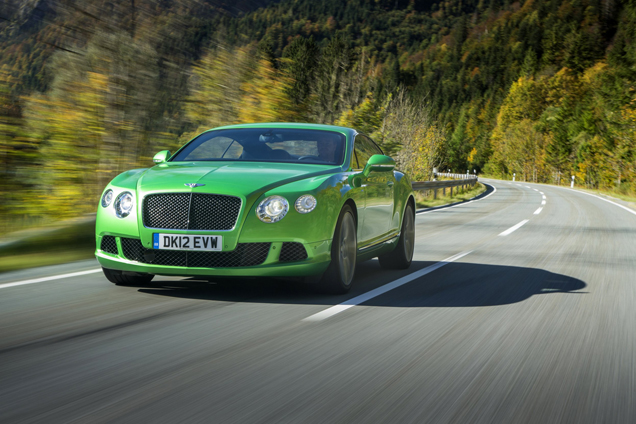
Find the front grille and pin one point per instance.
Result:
(291, 252)
(191, 211)
(245, 254)
(167, 210)
(109, 245)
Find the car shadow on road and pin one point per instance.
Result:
(454, 285)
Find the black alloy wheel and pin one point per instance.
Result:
(344, 249)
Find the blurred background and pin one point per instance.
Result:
(542, 89)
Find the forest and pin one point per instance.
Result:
(544, 89)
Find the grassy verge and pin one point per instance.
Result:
(49, 247)
(427, 201)
(613, 194)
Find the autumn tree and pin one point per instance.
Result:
(417, 138)
(264, 97)
(216, 87)
(95, 121)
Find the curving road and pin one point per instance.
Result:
(519, 307)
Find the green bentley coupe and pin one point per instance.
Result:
(276, 199)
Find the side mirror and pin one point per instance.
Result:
(162, 156)
(378, 163)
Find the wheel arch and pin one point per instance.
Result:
(410, 201)
(353, 206)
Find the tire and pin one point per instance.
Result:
(402, 255)
(344, 249)
(128, 279)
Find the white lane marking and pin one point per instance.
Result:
(515, 228)
(382, 289)
(527, 186)
(461, 203)
(541, 192)
(538, 211)
(543, 202)
(518, 185)
(55, 277)
(543, 197)
(535, 189)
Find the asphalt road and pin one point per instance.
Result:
(488, 326)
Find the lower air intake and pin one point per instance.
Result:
(109, 245)
(245, 254)
(291, 252)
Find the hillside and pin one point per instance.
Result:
(541, 88)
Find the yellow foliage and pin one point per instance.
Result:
(471, 155)
(517, 146)
(366, 117)
(71, 131)
(419, 154)
(264, 97)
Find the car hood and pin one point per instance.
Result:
(235, 178)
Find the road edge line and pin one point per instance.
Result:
(43, 279)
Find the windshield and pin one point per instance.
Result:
(266, 145)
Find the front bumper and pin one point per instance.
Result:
(316, 262)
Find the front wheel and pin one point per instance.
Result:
(402, 255)
(344, 249)
(125, 279)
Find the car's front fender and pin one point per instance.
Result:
(331, 193)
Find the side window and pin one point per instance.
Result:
(354, 161)
(361, 150)
(364, 148)
(372, 146)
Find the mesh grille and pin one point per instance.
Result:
(109, 245)
(212, 212)
(291, 252)
(245, 254)
(166, 210)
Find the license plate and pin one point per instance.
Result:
(187, 242)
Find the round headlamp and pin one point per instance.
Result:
(306, 203)
(107, 198)
(124, 204)
(272, 209)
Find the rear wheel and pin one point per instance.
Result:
(402, 255)
(344, 248)
(127, 279)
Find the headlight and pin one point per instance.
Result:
(124, 204)
(107, 198)
(272, 209)
(306, 203)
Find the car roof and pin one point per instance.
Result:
(290, 125)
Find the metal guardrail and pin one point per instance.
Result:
(454, 176)
(459, 180)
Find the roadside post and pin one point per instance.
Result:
(572, 185)
(434, 179)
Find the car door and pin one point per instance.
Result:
(378, 189)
